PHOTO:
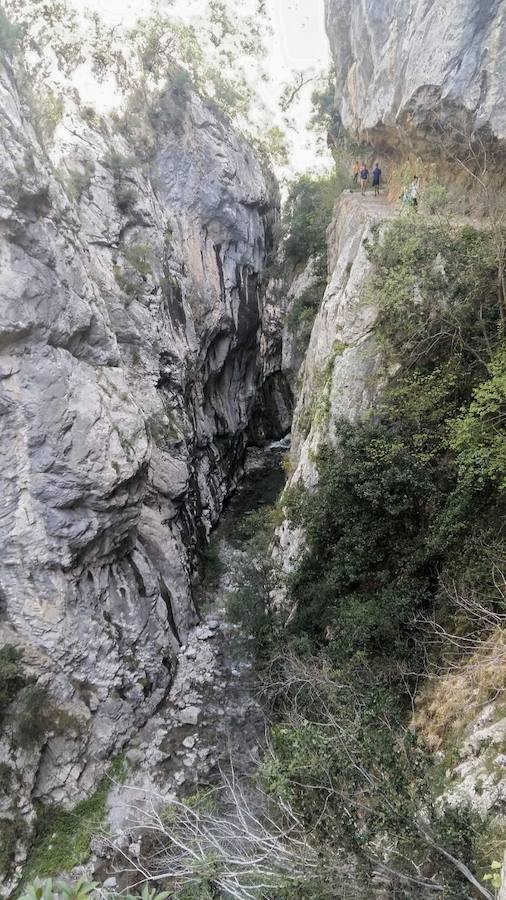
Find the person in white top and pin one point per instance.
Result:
(410, 195)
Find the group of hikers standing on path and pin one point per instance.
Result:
(361, 177)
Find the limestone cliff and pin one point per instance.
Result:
(342, 373)
(131, 319)
(401, 66)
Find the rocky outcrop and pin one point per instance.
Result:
(343, 371)
(404, 65)
(131, 317)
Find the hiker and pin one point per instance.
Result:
(413, 192)
(364, 176)
(410, 195)
(376, 179)
(356, 170)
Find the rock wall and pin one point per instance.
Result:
(402, 65)
(131, 319)
(343, 373)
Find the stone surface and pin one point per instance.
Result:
(191, 737)
(479, 779)
(130, 363)
(399, 64)
(342, 372)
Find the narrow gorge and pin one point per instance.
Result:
(252, 579)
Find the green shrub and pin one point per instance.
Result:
(128, 282)
(304, 310)
(478, 436)
(78, 181)
(33, 715)
(119, 163)
(139, 256)
(10, 34)
(11, 832)
(125, 192)
(12, 679)
(371, 498)
(126, 197)
(62, 837)
(436, 290)
(6, 774)
(307, 215)
(255, 575)
(48, 109)
(28, 703)
(58, 889)
(211, 566)
(435, 198)
(407, 502)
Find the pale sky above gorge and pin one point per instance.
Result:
(298, 41)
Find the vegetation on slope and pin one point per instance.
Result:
(401, 574)
(405, 529)
(62, 837)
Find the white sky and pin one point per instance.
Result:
(298, 42)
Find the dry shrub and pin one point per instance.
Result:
(453, 700)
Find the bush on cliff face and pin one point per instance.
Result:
(304, 309)
(372, 498)
(25, 703)
(437, 293)
(478, 435)
(10, 34)
(251, 602)
(12, 679)
(62, 837)
(308, 213)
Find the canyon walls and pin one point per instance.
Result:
(132, 313)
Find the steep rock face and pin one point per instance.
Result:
(274, 409)
(403, 64)
(340, 375)
(343, 372)
(131, 316)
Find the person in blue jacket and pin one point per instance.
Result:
(376, 179)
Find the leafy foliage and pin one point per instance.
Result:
(59, 889)
(406, 502)
(48, 889)
(308, 213)
(304, 309)
(10, 34)
(372, 497)
(303, 238)
(12, 678)
(62, 837)
(11, 831)
(478, 435)
(436, 289)
(25, 702)
(153, 63)
(48, 109)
